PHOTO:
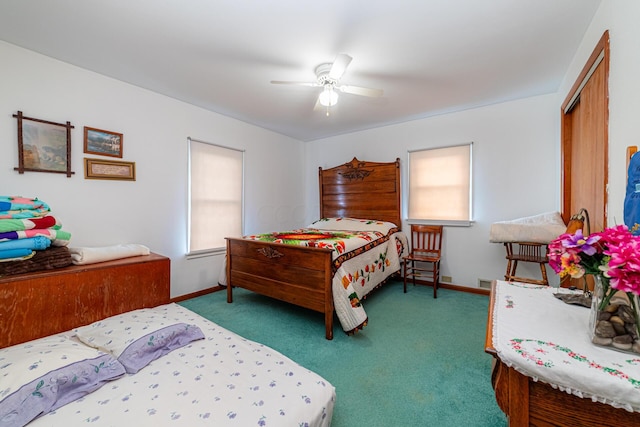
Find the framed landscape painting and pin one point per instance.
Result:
(102, 142)
(43, 146)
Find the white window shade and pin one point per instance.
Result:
(440, 184)
(215, 190)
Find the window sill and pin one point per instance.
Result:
(446, 223)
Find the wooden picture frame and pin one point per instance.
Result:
(102, 142)
(116, 170)
(43, 146)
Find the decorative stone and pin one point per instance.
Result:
(623, 342)
(604, 315)
(611, 308)
(616, 320)
(603, 341)
(604, 329)
(626, 314)
(614, 325)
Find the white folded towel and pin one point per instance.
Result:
(106, 253)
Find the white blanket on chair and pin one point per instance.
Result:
(542, 228)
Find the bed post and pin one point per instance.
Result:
(328, 298)
(228, 268)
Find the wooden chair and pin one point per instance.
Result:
(526, 252)
(424, 259)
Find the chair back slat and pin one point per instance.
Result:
(426, 240)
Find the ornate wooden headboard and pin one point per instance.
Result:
(360, 189)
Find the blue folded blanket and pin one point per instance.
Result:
(37, 243)
(15, 253)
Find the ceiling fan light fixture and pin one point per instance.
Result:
(328, 97)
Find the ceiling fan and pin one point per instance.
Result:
(328, 77)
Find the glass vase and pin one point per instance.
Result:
(614, 320)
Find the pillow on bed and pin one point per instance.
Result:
(40, 376)
(138, 337)
(353, 224)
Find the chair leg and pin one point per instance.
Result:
(543, 270)
(413, 272)
(436, 279)
(405, 276)
(506, 276)
(514, 266)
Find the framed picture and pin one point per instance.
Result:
(43, 146)
(102, 142)
(109, 169)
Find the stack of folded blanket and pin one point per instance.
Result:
(26, 227)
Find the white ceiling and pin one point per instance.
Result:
(429, 56)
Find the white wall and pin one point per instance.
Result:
(517, 149)
(621, 18)
(516, 156)
(515, 173)
(153, 209)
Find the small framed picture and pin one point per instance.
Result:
(43, 146)
(102, 142)
(109, 169)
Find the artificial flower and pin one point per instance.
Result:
(612, 254)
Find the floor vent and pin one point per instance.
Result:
(484, 284)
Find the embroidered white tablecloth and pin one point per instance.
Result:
(548, 340)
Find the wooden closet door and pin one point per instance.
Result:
(585, 130)
(585, 140)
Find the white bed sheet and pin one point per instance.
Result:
(223, 380)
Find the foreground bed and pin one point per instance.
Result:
(162, 365)
(355, 193)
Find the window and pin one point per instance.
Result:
(215, 195)
(440, 184)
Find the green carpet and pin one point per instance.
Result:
(420, 362)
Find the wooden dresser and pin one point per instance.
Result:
(43, 303)
(527, 402)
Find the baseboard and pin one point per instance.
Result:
(217, 288)
(458, 288)
(479, 291)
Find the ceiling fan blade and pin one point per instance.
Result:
(363, 91)
(339, 66)
(281, 82)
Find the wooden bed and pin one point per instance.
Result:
(527, 402)
(303, 275)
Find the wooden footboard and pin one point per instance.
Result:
(295, 274)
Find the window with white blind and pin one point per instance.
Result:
(215, 196)
(440, 185)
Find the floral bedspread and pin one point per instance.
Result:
(222, 380)
(365, 253)
(548, 340)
